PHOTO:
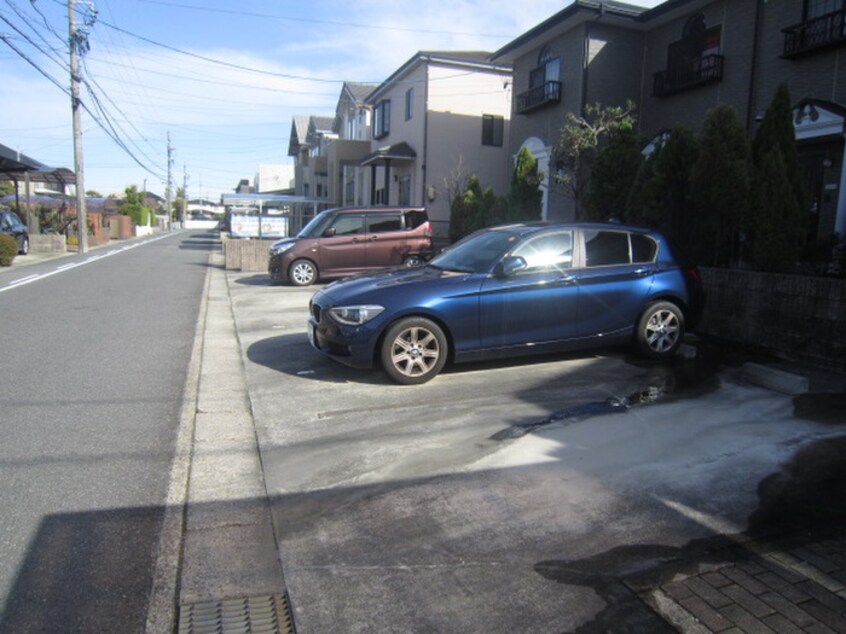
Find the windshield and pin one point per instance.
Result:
(478, 252)
(317, 225)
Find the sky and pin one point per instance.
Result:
(219, 81)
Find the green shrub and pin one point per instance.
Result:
(8, 249)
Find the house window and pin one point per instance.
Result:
(405, 190)
(824, 25)
(492, 128)
(698, 42)
(382, 119)
(819, 8)
(548, 69)
(694, 60)
(409, 104)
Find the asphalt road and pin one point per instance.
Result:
(92, 369)
(510, 496)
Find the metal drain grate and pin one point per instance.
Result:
(268, 614)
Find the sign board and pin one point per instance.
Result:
(249, 227)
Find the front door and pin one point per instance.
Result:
(343, 245)
(537, 305)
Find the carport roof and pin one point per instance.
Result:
(12, 162)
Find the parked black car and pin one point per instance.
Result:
(11, 225)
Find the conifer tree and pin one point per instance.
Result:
(779, 224)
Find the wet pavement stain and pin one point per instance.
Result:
(663, 382)
(800, 504)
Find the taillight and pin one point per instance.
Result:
(427, 229)
(695, 274)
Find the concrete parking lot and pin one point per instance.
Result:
(512, 496)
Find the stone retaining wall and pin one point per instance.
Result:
(795, 317)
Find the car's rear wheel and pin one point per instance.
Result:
(23, 247)
(411, 261)
(414, 350)
(660, 330)
(302, 272)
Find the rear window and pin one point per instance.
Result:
(381, 222)
(644, 248)
(605, 248)
(415, 218)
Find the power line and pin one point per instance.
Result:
(374, 27)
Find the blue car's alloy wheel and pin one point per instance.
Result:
(414, 350)
(660, 330)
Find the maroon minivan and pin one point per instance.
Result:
(347, 240)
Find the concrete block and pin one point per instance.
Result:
(775, 379)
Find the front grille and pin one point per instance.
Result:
(316, 313)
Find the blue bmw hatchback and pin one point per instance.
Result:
(511, 290)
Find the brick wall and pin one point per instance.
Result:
(795, 317)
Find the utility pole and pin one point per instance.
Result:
(184, 193)
(81, 219)
(168, 190)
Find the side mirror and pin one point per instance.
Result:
(511, 265)
(329, 232)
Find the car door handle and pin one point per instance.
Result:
(644, 270)
(566, 280)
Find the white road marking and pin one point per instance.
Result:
(67, 267)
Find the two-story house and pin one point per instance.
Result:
(678, 60)
(351, 145)
(437, 119)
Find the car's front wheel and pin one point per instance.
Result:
(414, 350)
(660, 330)
(411, 261)
(302, 272)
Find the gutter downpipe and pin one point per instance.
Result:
(750, 115)
(423, 197)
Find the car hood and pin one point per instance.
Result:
(387, 281)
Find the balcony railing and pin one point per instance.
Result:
(820, 32)
(703, 70)
(547, 93)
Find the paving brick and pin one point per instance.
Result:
(744, 579)
(712, 619)
(782, 625)
(814, 573)
(789, 609)
(819, 628)
(827, 598)
(747, 601)
(716, 579)
(782, 571)
(820, 560)
(826, 615)
(788, 590)
(714, 597)
(677, 590)
(751, 566)
(745, 621)
(784, 558)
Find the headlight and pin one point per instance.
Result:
(276, 249)
(355, 315)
